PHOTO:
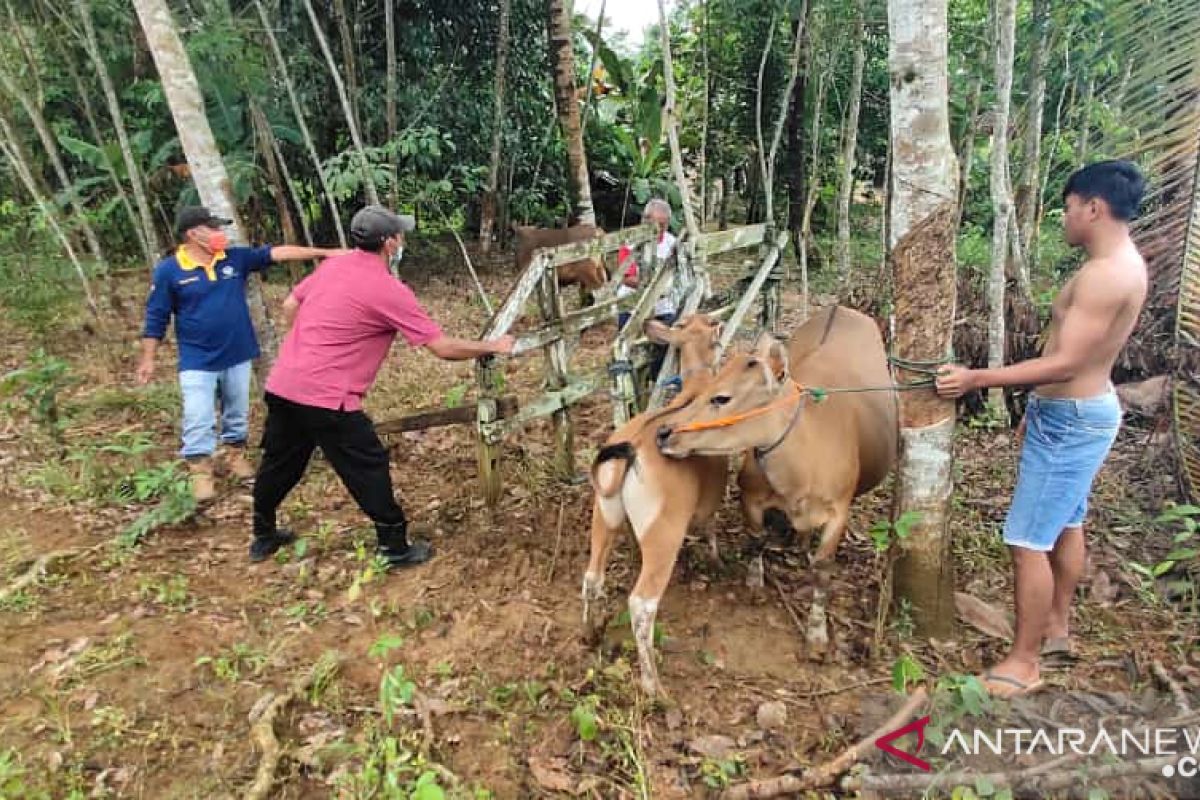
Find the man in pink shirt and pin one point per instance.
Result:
(343, 319)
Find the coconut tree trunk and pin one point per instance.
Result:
(1006, 26)
(33, 110)
(360, 149)
(850, 144)
(136, 180)
(10, 148)
(558, 22)
(488, 218)
(199, 147)
(1028, 198)
(298, 112)
(922, 233)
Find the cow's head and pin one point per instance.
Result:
(748, 404)
(696, 336)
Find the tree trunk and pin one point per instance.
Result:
(923, 207)
(797, 168)
(389, 24)
(704, 109)
(1054, 140)
(1089, 93)
(562, 51)
(966, 150)
(786, 100)
(591, 72)
(850, 144)
(11, 149)
(199, 147)
(814, 184)
(672, 123)
(50, 144)
(136, 179)
(488, 217)
(266, 144)
(1006, 26)
(351, 68)
(347, 108)
(298, 112)
(1028, 198)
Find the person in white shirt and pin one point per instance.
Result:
(658, 213)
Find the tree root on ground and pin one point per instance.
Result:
(262, 722)
(827, 773)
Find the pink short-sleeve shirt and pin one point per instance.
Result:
(351, 309)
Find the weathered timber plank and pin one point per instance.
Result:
(440, 417)
(710, 244)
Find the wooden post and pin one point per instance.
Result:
(487, 448)
(557, 358)
(768, 315)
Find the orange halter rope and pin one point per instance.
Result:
(725, 422)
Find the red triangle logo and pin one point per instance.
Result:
(884, 743)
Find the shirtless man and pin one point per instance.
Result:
(1072, 416)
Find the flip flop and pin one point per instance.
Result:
(1009, 687)
(1058, 654)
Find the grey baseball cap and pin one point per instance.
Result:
(372, 224)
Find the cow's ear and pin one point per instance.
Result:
(777, 361)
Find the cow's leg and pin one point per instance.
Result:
(817, 635)
(660, 547)
(603, 536)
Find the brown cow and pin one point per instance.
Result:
(658, 497)
(588, 272)
(809, 459)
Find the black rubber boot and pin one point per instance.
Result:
(397, 550)
(268, 539)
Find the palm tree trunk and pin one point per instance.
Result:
(488, 217)
(347, 108)
(1006, 24)
(922, 233)
(10, 148)
(850, 144)
(183, 96)
(50, 145)
(136, 180)
(562, 51)
(298, 112)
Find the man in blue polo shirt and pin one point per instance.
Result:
(203, 285)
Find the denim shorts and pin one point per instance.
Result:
(1066, 442)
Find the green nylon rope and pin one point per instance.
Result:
(929, 368)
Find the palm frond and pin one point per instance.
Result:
(1161, 40)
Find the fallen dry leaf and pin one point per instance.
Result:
(983, 617)
(1103, 591)
(714, 746)
(551, 774)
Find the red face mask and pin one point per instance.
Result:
(217, 241)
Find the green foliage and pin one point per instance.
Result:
(906, 671)
(13, 777)
(385, 644)
(395, 691)
(176, 504)
(230, 664)
(39, 386)
(884, 532)
(583, 717)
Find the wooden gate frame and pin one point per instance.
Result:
(691, 262)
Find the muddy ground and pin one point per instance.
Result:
(132, 672)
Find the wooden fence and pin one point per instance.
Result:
(496, 416)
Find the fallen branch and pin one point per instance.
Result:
(470, 267)
(1025, 780)
(37, 569)
(1170, 683)
(262, 722)
(827, 773)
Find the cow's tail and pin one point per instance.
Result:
(610, 467)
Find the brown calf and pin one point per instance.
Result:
(588, 272)
(658, 497)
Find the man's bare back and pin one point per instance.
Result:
(1107, 292)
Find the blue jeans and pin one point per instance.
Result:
(200, 391)
(1066, 442)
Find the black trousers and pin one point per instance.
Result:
(348, 440)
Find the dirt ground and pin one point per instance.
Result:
(133, 672)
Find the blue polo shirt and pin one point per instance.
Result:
(212, 320)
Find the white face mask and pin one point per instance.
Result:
(396, 257)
